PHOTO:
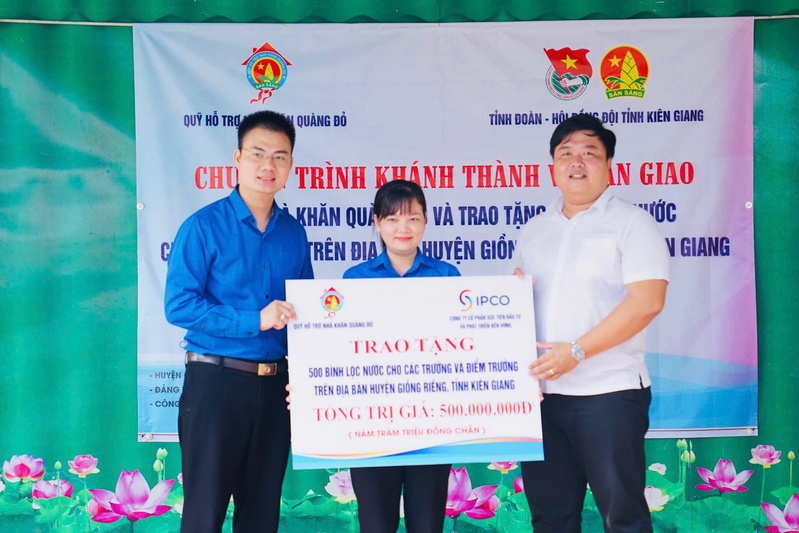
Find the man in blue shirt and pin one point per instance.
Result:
(226, 286)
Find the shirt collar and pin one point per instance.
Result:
(243, 212)
(600, 204)
(418, 261)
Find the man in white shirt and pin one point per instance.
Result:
(600, 267)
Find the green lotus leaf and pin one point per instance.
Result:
(82, 497)
(19, 507)
(783, 494)
(119, 526)
(152, 524)
(755, 514)
(316, 505)
(314, 499)
(71, 528)
(52, 508)
(512, 521)
(503, 492)
(672, 490)
(714, 514)
(663, 521)
(175, 496)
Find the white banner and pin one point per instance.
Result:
(467, 111)
(412, 371)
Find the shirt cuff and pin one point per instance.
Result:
(250, 323)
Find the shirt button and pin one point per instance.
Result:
(264, 266)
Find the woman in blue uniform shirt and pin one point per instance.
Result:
(400, 217)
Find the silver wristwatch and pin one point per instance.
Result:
(577, 352)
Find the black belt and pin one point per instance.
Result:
(262, 369)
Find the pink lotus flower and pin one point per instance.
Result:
(784, 521)
(44, 490)
(485, 502)
(518, 485)
(503, 466)
(765, 455)
(83, 465)
(340, 487)
(660, 468)
(23, 468)
(133, 499)
(724, 477)
(655, 498)
(458, 490)
(101, 511)
(478, 503)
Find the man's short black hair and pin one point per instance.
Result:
(269, 120)
(583, 122)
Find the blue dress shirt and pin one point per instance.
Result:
(222, 271)
(423, 266)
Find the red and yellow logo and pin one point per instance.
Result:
(569, 74)
(624, 71)
(332, 300)
(266, 71)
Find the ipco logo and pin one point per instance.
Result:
(469, 300)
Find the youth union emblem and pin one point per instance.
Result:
(569, 74)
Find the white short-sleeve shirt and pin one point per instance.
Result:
(581, 267)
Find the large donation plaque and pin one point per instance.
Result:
(412, 371)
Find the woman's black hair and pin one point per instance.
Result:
(397, 196)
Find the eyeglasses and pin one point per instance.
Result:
(279, 159)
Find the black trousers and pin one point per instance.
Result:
(234, 438)
(378, 491)
(597, 440)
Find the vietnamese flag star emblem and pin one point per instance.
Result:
(570, 61)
